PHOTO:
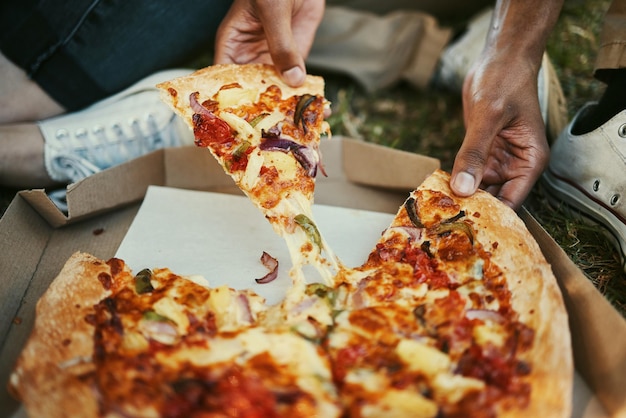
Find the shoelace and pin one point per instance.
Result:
(89, 152)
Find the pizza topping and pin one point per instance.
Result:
(255, 121)
(272, 264)
(208, 128)
(422, 358)
(158, 328)
(310, 229)
(484, 315)
(322, 291)
(306, 156)
(411, 210)
(455, 225)
(142, 282)
(304, 102)
(239, 158)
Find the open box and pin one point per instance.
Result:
(36, 239)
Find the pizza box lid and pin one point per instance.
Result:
(36, 239)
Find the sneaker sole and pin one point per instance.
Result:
(580, 205)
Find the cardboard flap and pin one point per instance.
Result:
(599, 346)
(21, 255)
(195, 168)
(384, 167)
(110, 189)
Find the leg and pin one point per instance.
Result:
(21, 99)
(59, 57)
(83, 51)
(22, 157)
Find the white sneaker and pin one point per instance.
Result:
(587, 172)
(458, 57)
(112, 131)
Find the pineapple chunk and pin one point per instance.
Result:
(236, 96)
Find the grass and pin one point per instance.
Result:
(430, 122)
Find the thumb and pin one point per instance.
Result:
(469, 164)
(282, 45)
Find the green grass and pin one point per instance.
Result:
(430, 122)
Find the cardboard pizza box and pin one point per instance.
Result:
(36, 239)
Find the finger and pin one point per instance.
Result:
(223, 53)
(276, 18)
(469, 164)
(514, 192)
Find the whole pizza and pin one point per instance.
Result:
(454, 313)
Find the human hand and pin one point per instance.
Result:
(505, 149)
(278, 32)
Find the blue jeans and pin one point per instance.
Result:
(81, 51)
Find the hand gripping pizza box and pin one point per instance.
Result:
(36, 239)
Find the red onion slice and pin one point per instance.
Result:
(246, 312)
(484, 315)
(197, 107)
(306, 156)
(272, 264)
(275, 143)
(414, 233)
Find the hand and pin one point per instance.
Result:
(505, 148)
(278, 32)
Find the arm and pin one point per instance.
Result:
(505, 148)
(278, 32)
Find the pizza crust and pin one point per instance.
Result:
(55, 364)
(535, 296)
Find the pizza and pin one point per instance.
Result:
(466, 315)
(157, 344)
(265, 135)
(454, 313)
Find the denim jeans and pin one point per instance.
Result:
(81, 51)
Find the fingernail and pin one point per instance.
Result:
(464, 183)
(294, 76)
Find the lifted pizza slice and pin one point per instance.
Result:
(265, 134)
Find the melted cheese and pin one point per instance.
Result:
(453, 388)
(400, 404)
(491, 333)
(422, 358)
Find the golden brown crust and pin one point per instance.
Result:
(535, 296)
(209, 80)
(55, 364)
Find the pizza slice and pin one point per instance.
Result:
(108, 342)
(465, 310)
(265, 134)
